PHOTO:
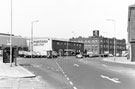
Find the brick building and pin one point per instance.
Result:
(62, 47)
(131, 31)
(100, 45)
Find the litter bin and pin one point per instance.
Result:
(6, 54)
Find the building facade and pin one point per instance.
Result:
(18, 41)
(131, 23)
(61, 46)
(100, 45)
(131, 32)
(67, 47)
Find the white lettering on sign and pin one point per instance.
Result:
(39, 42)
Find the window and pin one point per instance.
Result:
(101, 41)
(58, 43)
(86, 41)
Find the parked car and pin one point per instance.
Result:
(117, 55)
(110, 55)
(79, 56)
(85, 55)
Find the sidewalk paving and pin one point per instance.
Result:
(122, 60)
(14, 71)
(17, 77)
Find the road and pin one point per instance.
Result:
(88, 73)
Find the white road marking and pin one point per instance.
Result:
(115, 80)
(67, 78)
(74, 87)
(65, 75)
(71, 83)
(76, 65)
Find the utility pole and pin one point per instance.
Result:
(11, 39)
(32, 36)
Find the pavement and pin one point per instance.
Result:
(122, 60)
(17, 77)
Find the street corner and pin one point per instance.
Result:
(34, 83)
(20, 71)
(15, 71)
(31, 83)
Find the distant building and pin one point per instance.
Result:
(100, 45)
(61, 46)
(18, 41)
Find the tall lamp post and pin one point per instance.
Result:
(32, 36)
(11, 38)
(114, 22)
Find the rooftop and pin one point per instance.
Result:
(133, 5)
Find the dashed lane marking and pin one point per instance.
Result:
(67, 79)
(63, 72)
(65, 75)
(74, 87)
(71, 83)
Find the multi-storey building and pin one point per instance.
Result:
(131, 23)
(100, 45)
(131, 31)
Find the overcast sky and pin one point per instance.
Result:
(65, 18)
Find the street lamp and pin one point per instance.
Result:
(114, 22)
(11, 38)
(32, 36)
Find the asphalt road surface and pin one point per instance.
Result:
(88, 73)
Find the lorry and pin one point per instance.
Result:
(41, 46)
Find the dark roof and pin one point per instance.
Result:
(6, 34)
(133, 5)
